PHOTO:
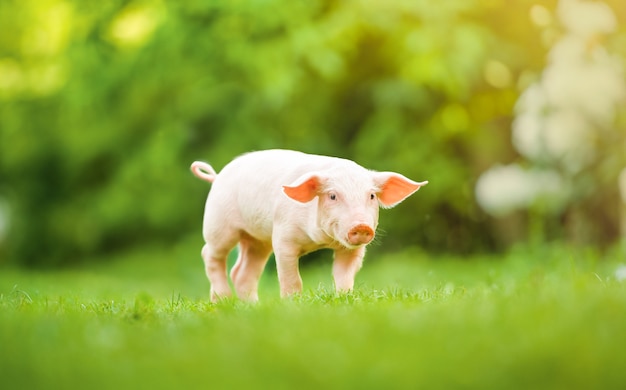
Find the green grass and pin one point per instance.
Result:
(549, 318)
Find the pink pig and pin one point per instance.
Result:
(291, 203)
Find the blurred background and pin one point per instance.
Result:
(513, 110)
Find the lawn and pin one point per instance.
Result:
(534, 318)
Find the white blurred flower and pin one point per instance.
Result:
(533, 100)
(526, 138)
(569, 49)
(579, 91)
(568, 138)
(540, 15)
(592, 88)
(503, 189)
(559, 117)
(558, 135)
(620, 273)
(531, 109)
(586, 18)
(581, 74)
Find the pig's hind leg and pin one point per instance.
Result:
(215, 257)
(253, 255)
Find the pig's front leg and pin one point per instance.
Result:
(345, 266)
(287, 257)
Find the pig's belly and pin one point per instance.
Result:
(257, 225)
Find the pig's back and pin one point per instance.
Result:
(248, 190)
(265, 172)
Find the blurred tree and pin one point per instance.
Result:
(105, 104)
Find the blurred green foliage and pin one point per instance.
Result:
(103, 106)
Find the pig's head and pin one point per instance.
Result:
(349, 199)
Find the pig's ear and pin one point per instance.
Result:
(394, 187)
(305, 188)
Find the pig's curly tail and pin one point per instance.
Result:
(203, 171)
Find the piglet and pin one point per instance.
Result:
(291, 203)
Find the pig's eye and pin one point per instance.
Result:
(332, 196)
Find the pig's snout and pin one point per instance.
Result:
(360, 234)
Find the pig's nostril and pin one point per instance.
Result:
(360, 234)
